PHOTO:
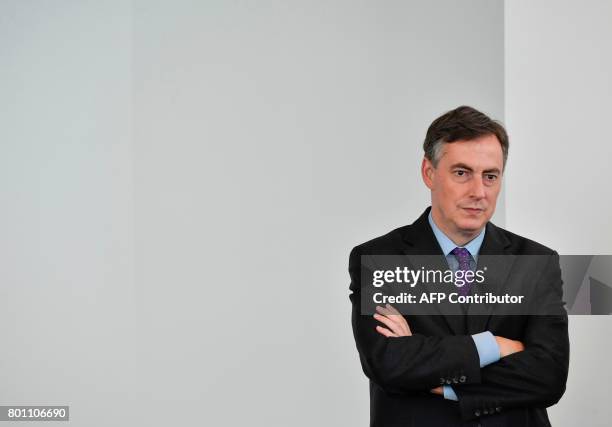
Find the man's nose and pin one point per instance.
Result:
(477, 189)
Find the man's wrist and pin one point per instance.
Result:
(487, 347)
(449, 393)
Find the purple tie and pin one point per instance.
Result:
(463, 256)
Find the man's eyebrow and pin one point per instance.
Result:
(494, 170)
(462, 166)
(468, 168)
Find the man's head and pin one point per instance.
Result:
(465, 155)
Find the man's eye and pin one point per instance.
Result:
(460, 173)
(491, 177)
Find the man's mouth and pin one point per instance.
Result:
(473, 211)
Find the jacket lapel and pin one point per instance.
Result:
(497, 261)
(422, 250)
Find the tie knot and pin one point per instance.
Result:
(462, 254)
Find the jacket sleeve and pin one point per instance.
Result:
(535, 377)
(413, 363)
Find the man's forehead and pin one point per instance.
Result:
(481, 153)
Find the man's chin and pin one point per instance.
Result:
(471, 226)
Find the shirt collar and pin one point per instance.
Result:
(447, 245)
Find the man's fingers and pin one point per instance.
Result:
(390, 312)
(396, 328)
(397, 319)
(400, 317)
(508, 346)
(390, 317)
(384, 311)
(438, 390)
(392, 309)
(386, 332)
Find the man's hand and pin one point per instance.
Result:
(508, 346)
(438, 390)
(393, 320)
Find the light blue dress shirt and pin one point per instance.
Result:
(486, 345)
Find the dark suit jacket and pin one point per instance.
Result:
(511, 392)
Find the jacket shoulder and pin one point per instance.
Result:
(520, 245)
(387, 244)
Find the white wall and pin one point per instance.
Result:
(66, 216)
(558, 108)
(269, 139)
(183, 182)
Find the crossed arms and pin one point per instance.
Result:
(396, 325)
(530, 373)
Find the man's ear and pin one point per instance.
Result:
(427, 172)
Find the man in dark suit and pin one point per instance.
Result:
(466, 367)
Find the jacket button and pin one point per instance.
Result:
(477, 412)
(455, 380)
(448, 381)
(462, 378)
(442, 380)
(485, 411)
(498, 409)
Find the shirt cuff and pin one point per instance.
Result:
(449, 393)
(487, 347)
